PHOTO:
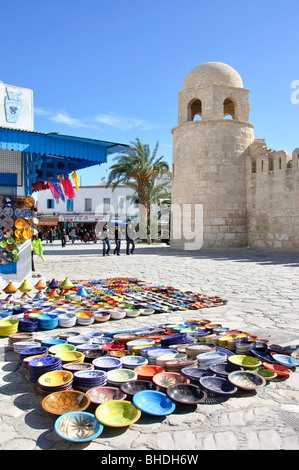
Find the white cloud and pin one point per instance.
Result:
(123, 123)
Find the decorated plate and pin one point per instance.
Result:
(29, 201)
(19, 240)
(27, 214)
(8, 201)
(19, 202)
(20, 223)
(7, 232)
(1, 234)
(7, 222)
(19, 213)
(18, 233)
(7, 211)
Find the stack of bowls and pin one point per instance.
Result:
(9, 326)
(70, 356)
(243, 347)
(179, 338)
(18, 346)
(205, 360)
(42, 365)
(88, 347)
(107, 363)
(66, 320)
(28, 324)
(61, 348)
(32, 352)
(86, 379)
(54, 381)
(118, 377)
(155, 353)
(162, 360)
(139, 342)
(130, 362)
(48, 321)
(48, 342)
(192, 350)
(102, 340)
(91, 354)
(81, 339)
(85, 318)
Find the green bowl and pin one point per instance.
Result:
(117, 413)
(58, 348)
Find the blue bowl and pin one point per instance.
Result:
(153, 402)
(32, 352)
(44, 362)
(78, 426)
(286, 361)
(218, 386)
(52, 342)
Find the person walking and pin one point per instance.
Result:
(117, 241)
(105, 240)
(73, 235)
(130, 239)
(63, 238)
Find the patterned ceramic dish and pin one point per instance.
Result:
(246, 380)
(99, 395)
(186, 394)
(78, 426)
(153, 402)
(248, 362)
(65, 401)
(117, 413)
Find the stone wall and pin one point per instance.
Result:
(272, 198)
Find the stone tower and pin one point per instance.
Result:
(210, 145)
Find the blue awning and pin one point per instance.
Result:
(48, 155)
(58, 145)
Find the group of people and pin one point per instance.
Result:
(129, 236)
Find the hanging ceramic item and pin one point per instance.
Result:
(10, 288)
(66, 284)
(40, 285)
(25, 286)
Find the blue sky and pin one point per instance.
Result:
(111, 69)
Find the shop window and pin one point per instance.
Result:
(69, 205)
(106, 203)
(50, 203)
(87, 202)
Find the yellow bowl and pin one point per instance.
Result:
(71, 356)
(55, 378)
(248, 362)
(84, 314)
(117, 413)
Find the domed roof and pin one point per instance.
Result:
(212, 73)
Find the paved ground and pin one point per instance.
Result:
(263, 298)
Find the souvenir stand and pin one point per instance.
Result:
(46, 161)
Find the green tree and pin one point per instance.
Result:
(140, 166)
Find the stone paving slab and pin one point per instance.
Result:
(263, 298)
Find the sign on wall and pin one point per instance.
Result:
(16, 107)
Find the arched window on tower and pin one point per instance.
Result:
(195, 110)
(229, 109)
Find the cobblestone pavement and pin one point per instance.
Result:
(263, 298)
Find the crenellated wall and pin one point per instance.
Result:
(272, 180)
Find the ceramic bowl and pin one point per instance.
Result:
(224, 368)
(99, 395)
(265, 373)
(246, 380)
(78, 426)
(119, 376)
(218, 385)
(65, 401)
(61, 348)
(134, 386)
(101, 316)
(248, 362)
(286, 361)
(130, 362)
(55, 378)
(186, 394)
(76, 366)
(117, 413)
(165, 379)
(192, 350)
(153, 402)
(148, 371)
(91, 354)
(70, 356)
(281, 371)
(107, 363)
(207, 359)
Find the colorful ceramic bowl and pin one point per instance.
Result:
(117, 413)
(246, 380)
(99, 395)
(71, 356)
(186, 394)
(134, 386)
(78, 426)
(248, 362)
(55, 378)
(65, 401)
(148, 371)
(165, 379)
(153, 402)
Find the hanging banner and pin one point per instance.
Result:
(16, 107)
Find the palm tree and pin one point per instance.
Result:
(137, 164)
